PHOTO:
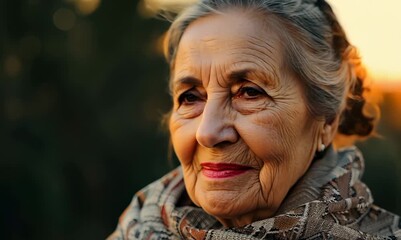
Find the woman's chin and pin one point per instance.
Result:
(229, 214)
(226, 206)
(233, 206)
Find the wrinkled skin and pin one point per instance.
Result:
(235, 102)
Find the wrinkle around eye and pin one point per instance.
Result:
(190, 108)
(250, 106)
(190, 111)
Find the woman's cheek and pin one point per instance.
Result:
(260, 135)
(267, 176)
(183, 136)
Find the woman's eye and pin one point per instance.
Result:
(249, 92)
(188, 98)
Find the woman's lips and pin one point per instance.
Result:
(223, 170)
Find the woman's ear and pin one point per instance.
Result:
(329, 131)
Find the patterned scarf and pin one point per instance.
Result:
(328, 202)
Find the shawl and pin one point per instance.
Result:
(329, 202)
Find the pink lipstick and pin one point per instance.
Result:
(223, 170)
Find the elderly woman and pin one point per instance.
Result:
(261, 88)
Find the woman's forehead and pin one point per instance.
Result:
(234, 26)
(226, 40)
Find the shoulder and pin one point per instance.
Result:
(381, 222)
(144, 218)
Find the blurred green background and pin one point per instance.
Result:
(82, 91)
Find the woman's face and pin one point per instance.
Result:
(240, 125)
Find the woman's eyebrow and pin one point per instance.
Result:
(186, 81)
(245, 74)
(235, 76)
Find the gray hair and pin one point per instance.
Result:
(317, 52)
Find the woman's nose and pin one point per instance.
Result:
(216, 126)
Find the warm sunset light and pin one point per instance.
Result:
(374, 28)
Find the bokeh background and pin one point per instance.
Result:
(83, 88)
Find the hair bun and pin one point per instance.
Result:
(359, 116)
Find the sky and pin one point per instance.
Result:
(374, 27)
